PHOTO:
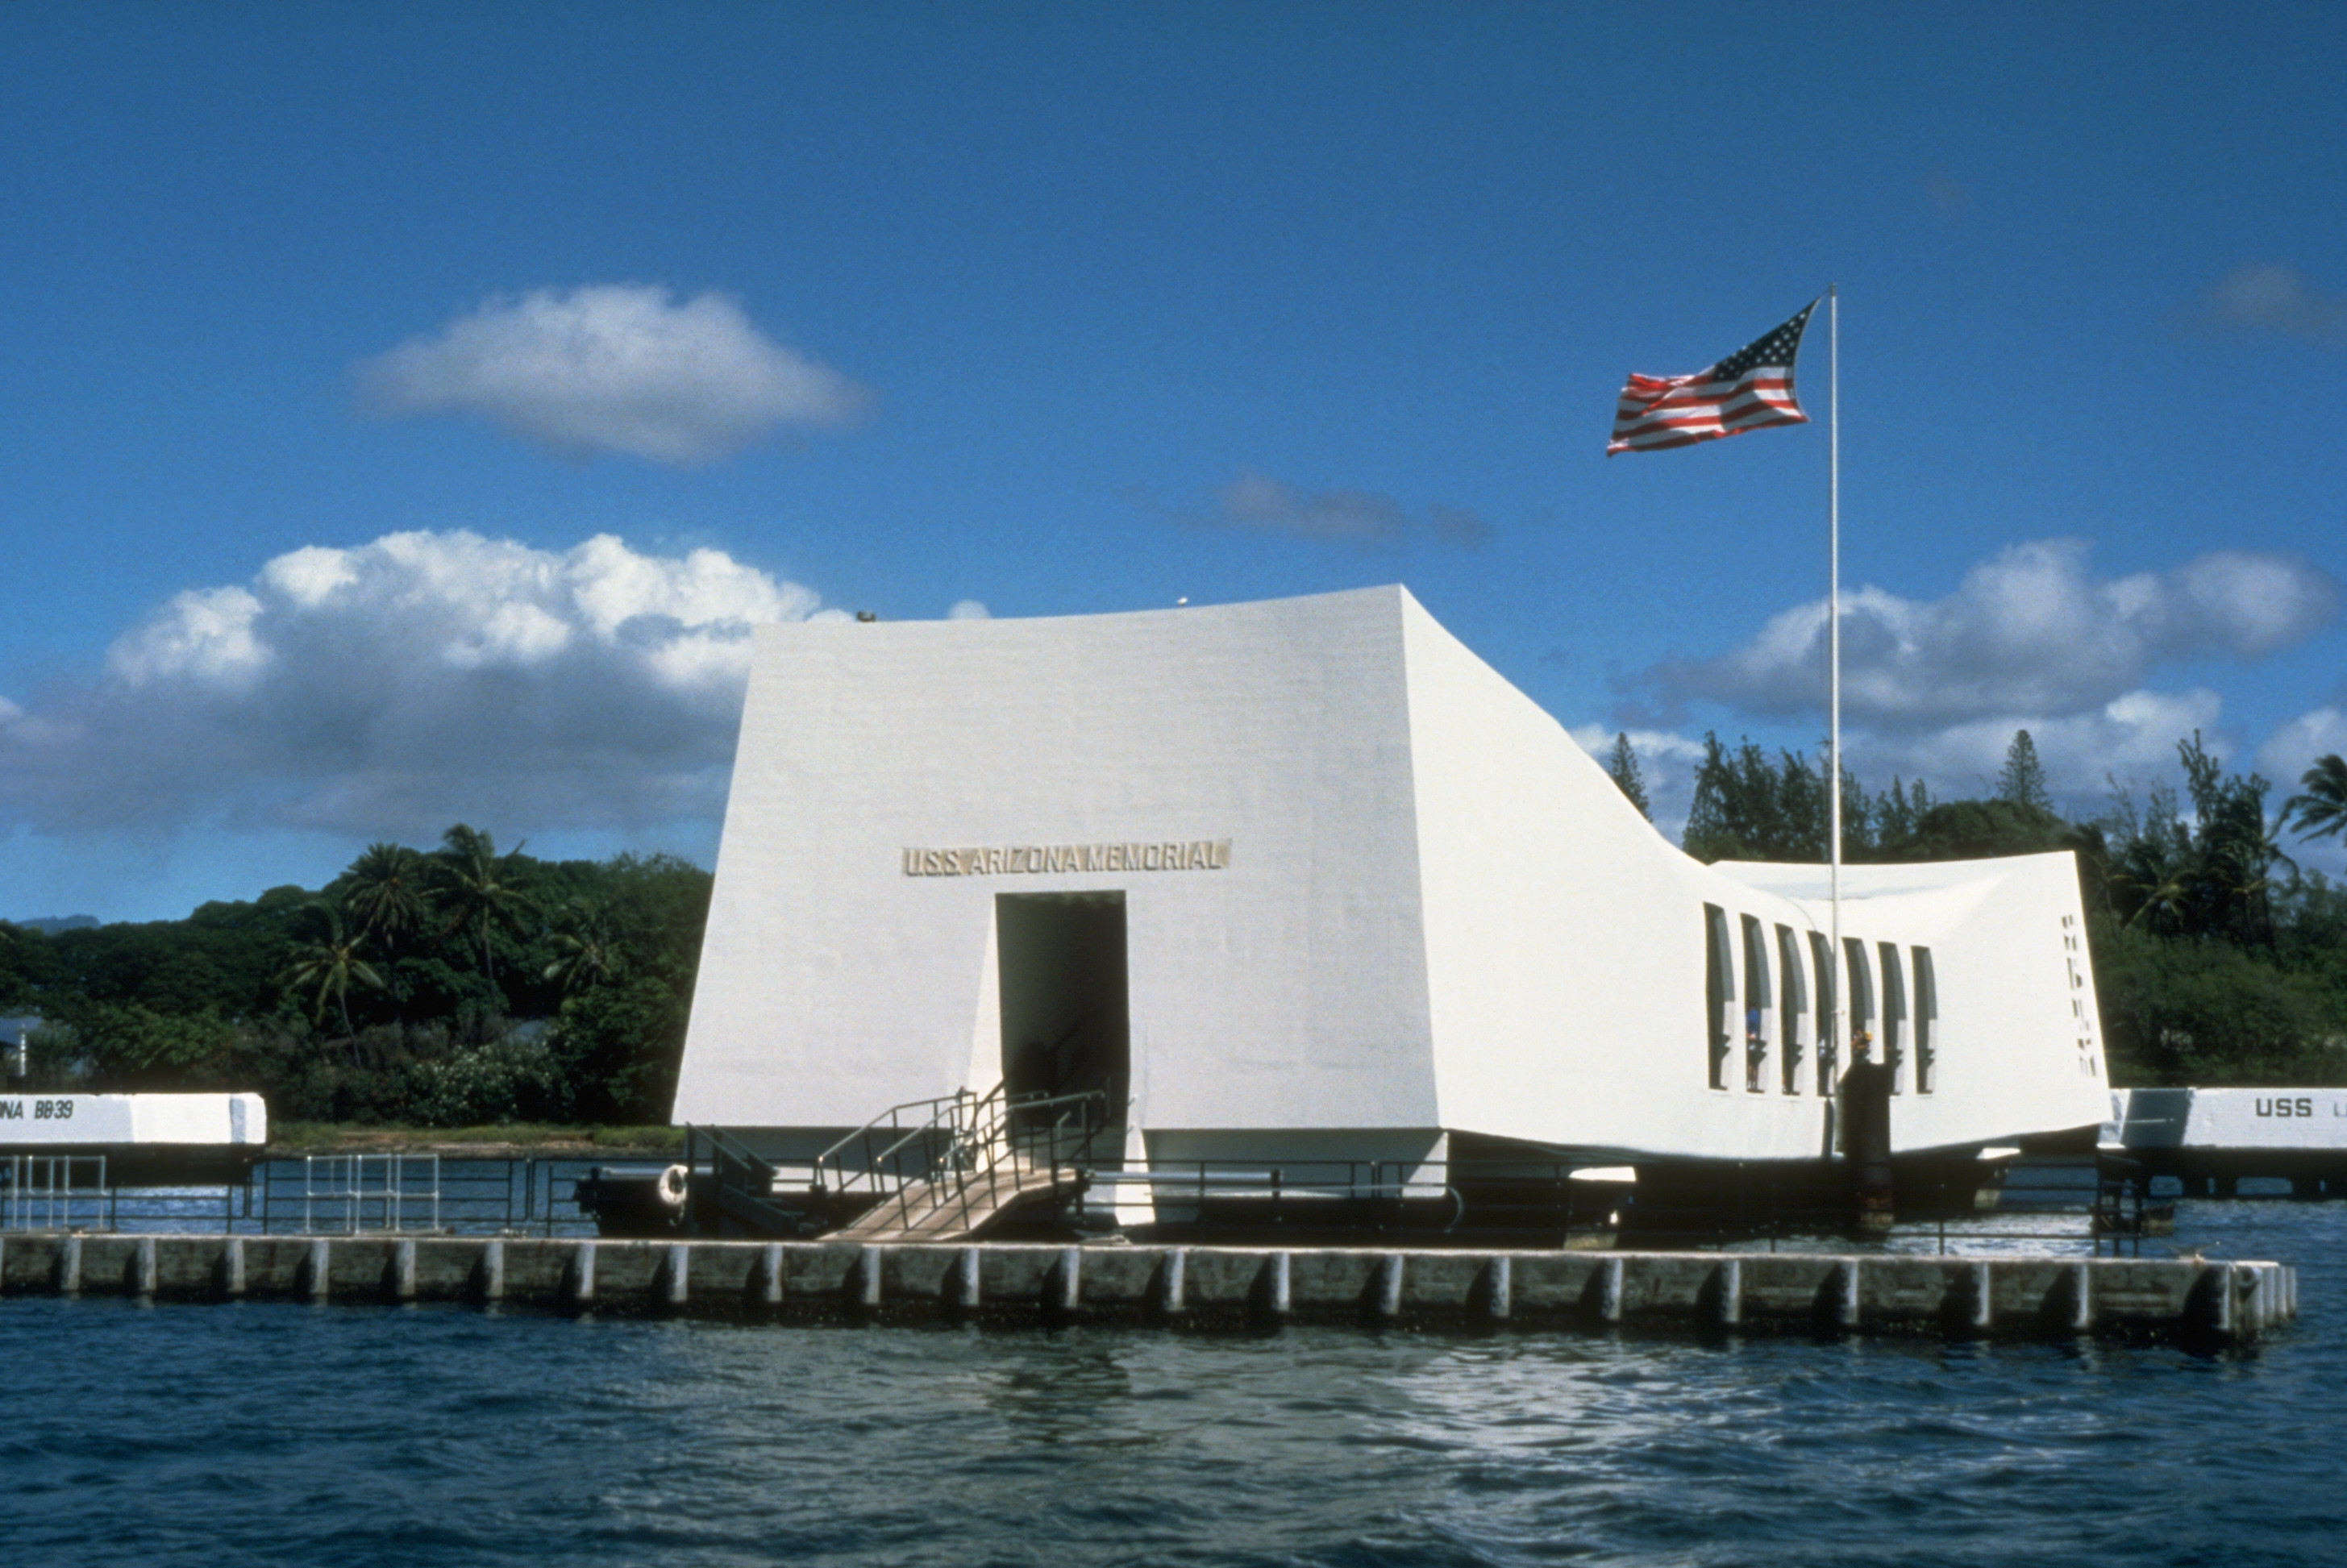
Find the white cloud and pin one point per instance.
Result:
(2029, 631)
(2131, 738)
(2289, 751)
(403, 684)
(2268, 298)
(205, 635)
(969, 610)
(613, 368)
(1666, 763)
(1363, 517)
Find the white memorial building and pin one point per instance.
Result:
(1307, 880)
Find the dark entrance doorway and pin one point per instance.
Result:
(1065, 1025)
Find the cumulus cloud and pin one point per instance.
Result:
(2030, 631)
(969, 610)
(2132, 736)
(2289, 751)
(2274, 299)
(613, 368)
(401, 685)
(1360, 516)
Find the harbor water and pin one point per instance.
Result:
(271, 1432)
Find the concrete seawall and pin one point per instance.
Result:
(2027, 1297)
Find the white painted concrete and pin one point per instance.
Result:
(2310, 1119)
(73, 1120)
(1404, 905)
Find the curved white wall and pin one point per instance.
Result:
(1434, 911)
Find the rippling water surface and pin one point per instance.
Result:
(277, 1433)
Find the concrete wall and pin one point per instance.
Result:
(113, 1121)
(1424, 909)
(1783, 1292)
(2279, 1119)
(1284, 988)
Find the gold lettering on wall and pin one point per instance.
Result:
(1031, 859)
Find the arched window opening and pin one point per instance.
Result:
(1719, 990)
(1760, 1002)
(1792, 1013)
(1894, 1012)
(1829, 1046)
(1927, 1023)
(1861, 992)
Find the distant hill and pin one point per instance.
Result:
(49, 925)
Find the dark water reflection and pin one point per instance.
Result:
(275, 1433)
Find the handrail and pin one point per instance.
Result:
(968, 1143)
(892, 1116)
(946, 1115)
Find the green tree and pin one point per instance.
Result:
(2022, 780)
(2234, 849)
(619, 1045)
(480, 891)
(1978, 830)
(386, 890)
(587, 950)
(329, 964)
(1747, 806)
(2320, 810)
(124, 1046)
(2210, 1012)
(1622, 766)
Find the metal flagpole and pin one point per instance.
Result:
(1833, 644)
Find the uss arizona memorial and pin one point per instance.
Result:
(1306, 880)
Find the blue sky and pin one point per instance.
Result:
(409, 407)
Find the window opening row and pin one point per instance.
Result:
(1779, 1003)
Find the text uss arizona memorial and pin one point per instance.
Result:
(1197, 854)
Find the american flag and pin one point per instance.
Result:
(1749, 389)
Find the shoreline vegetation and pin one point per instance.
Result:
(461, 987)
(470, 1000)
(513, 1139)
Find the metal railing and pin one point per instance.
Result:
(1519, 1203)
(980, 1151)
(905, 1144)
(986, 1149)
(744, 1185)
(465, 1196)
(939, 1162)
(48, 1192)
(343, 1192)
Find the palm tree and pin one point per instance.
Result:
(588, 953)
(384, 891)
(2321, 811)
(478, 889)
(2159, 880)
(331, 963)
(2241, 867)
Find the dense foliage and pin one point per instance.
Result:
(2216, 961)
(453, 988)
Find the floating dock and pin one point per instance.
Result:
(2212, 1140)
(2184, 1300)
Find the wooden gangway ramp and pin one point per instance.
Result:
(953, 1210)
(2186, 1299)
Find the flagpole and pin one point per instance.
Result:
(1833, 641)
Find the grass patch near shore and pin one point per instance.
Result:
(522, 1137)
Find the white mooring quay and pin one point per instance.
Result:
(2186, 1299)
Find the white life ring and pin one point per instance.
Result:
(673, 1186)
